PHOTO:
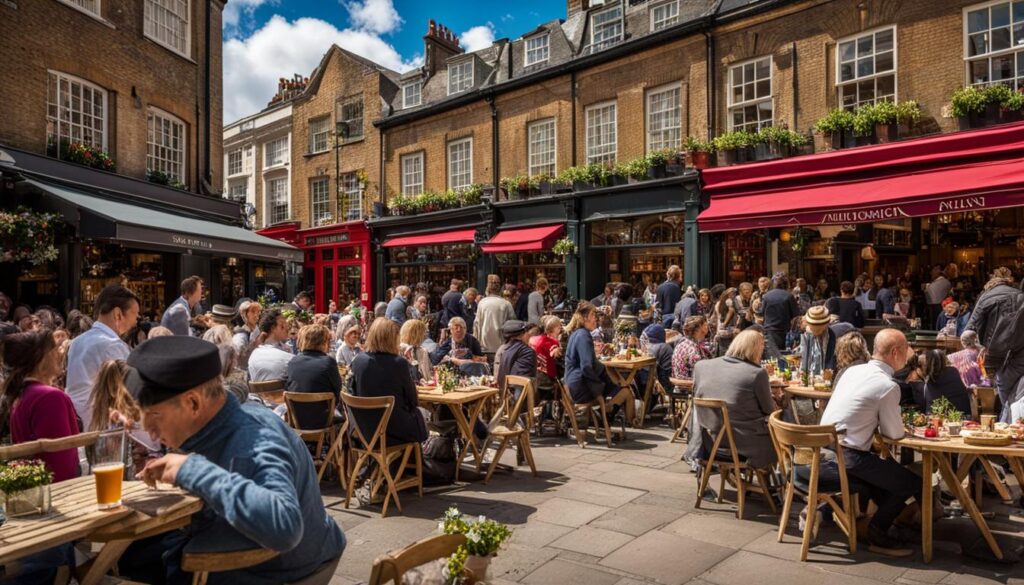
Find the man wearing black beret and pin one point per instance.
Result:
(253, 472)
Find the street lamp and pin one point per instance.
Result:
(340, 134)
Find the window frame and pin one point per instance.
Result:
(730, 105)
(590, 158)
(458, 64)
(325, 133)
(894, 72)
(286, 152)
(340, 113)
(73, 4)
(269, 201)
(675, 18)
(1016, 50)
(315, 218)
(605, 43)
(350, 187)
(187, 51)
(151, 111)
(546, 36)
(406, 187)
(554, 147)
(241, 163)
(419, 94)
(676, 86)
(104, 141)
(469, 159)
(238, 183)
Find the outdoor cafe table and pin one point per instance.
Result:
(623, 371)
(74, 516)
(937, 452)
(473, 399)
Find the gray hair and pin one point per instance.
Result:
(457, 321)
(969, 339)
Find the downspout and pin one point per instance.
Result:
(710, 57)
(207, 174)
(381, 180)
(572, 89)
(495, 178)
(796, 85)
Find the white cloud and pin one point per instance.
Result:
(281, 48)
(235, 10)
(478, 37)
(375, 16)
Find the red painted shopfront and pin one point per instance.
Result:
(337, 260)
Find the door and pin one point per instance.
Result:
(326, 291)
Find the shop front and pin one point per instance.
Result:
(527, 232)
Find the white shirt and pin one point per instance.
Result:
(268, 363)
(86, 355)
(937, 290)
(866, 398)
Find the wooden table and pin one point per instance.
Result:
(937, 453)
(472, 398)
(623, 371)
(74, 516)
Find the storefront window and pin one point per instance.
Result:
(349, 284)
(104, 264)
(639, 250)
(434, 265)
(269, 281)
(529, 266)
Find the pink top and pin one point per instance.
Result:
(45, 412)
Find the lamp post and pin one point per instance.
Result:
(340, 134)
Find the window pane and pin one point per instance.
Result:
(748, 92)
(864, 46)
(979, 71)
(763, 68)
(866, 91)
(748, 72)
(848, 95)
(737, 76)
(886, 86)
(977, 44)
(883, 41)
(737, 94)
(1000, 39)
(884, 62)
(1000, 15)
(846, 72)
(1018, 11)
(865, 67)
(737, 119)
(764, 88)
(977, 20)
(1002, 68)
(846, 51)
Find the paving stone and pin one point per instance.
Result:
(636, 519)
(666, 558)
(748, 567)
(831, 554)
(538, 534)
(592, 541)
(594, 492)
(372, 539)
(515, 561)
(718, 529)
(567, 573)
(925, 575)
(568, 512)
(643, 459)
(632, 476)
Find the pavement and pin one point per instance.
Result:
(626, 516)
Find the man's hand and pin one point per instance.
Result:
(556, 352)
(163, 470)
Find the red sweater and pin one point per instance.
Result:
(45, 412)
(543, 344)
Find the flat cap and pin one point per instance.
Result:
(164, 367)
(513, 327)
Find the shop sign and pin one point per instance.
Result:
(911, 209)
(327, 239)
(191, 242)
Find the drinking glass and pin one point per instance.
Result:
(108, 468)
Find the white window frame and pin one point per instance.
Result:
(354, 198)
(408, 103)
(320, 210)
(459, 178)
(756, 100)
(163, 162)
(353, 100)
(284, 154)
(544, 48)
(409, 187)
(241, 162)
(620, 23)
(232, 193)
(611, 148)
(320, 136)
(58, 121)
(875, 76)
(150, 23)
(543, 166)
(664, 22)
(270, 218)
(465, 80)
(78, 5)
(674, 131)
(1014, 50)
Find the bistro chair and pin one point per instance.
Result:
(799, 448)
(29, 448)
(727, 460)
(594, 412)
(508, 429)
(392, 567)
(326, 431)
(377, 450)
(682, 391)
(201, 564)
(986, 399)
(270, 391)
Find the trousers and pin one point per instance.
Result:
(889, 483)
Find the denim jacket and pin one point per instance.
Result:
(260, 488)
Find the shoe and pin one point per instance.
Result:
(802, 524)
(879, 542)
(366, 499)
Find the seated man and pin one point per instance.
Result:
(866, 399)
(254, 474)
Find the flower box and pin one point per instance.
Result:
(33, 500)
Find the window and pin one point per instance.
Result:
(76, 111)
(460, 163)
(167, 23)
(166, 145)
(750, 95)
(319, 134)
(353, 207)
(90, 6)
(601, 136)
(320, 201)
(460, 76)
(537, 49)
(412, 174)
(275, 152)
(351, 113)
(238, 191)
(412, 94)
(664, 15)
(277, 200)
(994, 44)
(605, 28)
(542, 147)
(867, 68)
(235, 162)
(664, 129)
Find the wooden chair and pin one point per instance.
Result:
(507, 429)
(598, 418)
(730, 468)
(682, 390)
(268, 390)
(986, 400)
(393, 566)
(326, 432)
(30, 448)
(799, 445)
(377, 450)
(201, 564)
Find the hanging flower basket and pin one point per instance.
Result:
(28, 236)
(564, 247)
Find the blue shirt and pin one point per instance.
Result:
(396, 310)
(261, 490)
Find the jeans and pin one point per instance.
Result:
(41, 568)
(889, 483)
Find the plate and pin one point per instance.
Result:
(988, 441)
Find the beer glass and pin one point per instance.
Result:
(108, 468)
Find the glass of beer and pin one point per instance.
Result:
(108, 468)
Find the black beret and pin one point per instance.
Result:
(513, 327)
(163, 367)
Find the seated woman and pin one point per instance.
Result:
(312, 370)
(851, 350)
(942, 379)
(462, 349)
(349, 348)
(412, 334)
(738, 379)
(966, 360)
(380, 371)
(585, 376)
(549, 351)
(113, 406)
(818, 343)
(691, 348)
(662, 352)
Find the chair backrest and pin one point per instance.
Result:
(792, 439)
(393, 566)
(723, 433)
(266, 386)
(324, 399)
(986, 399)
(29, 448)
(517, 407)
(377, 441)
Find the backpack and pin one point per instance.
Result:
(1007, 338)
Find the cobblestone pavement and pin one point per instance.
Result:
(626, 516)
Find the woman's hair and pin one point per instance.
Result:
(353, 329)
(109, 393)
(550, 322)
(159, 331)
(969, 339)
(692, 324)
(747, 346)
(851, 348)
(933, 362)
(218, 335)
(382, 337)
(583, 310)
(313, 337)
(413, 332)
(724, 307)
(704, 292)
(22, 353)
(78, 324)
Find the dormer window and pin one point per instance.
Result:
(664, 15)
(460, 76)
(537, 49)
(606, 28)
(412, 94)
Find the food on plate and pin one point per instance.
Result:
(931, 433)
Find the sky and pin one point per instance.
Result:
(265, 40)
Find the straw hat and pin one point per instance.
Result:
(817, 315)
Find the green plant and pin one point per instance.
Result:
(564, 247)
(692, 144)
(80, 153)
(162, 178)
(910, 417)
(635, 169)
(941, 406)
(781, 136)
(455, 566)
(883, 112)
(836, 121)
(515, 184)
(26, 235)
(483, 537)
(908, 112)
(1013, 103)
(863, 121)
(733, 140)
(536, 180)
(574, 175)
(998, 94)
(21, 474)
(471, 195)
(598, 173)
(661, 156)
(954, 416)
(967, 100)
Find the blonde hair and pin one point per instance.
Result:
(748, 346)
(542, 283)
(583, 310)
(674, 272)
(109, 393)
(851, 348)
(159, 331)
(313, 337)
(383, 336)
(413, 332)
(550, 322)
(218, 335)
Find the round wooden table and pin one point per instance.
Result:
(623, 371)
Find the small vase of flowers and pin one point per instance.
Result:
(468, 565)
(26, 487)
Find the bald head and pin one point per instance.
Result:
(891, 347)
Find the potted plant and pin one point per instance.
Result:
(516, 187)
(639, 169)
(599, 174)
(577, 177)
(835, 129)
(698, 151)
(362, 179)
(732, 147)
(543, 184)
(618, 174)
(483, 540)
(1008, 101)
(970, 106)
(657, 163)
(954, 422)
(884, 119)
(26, 487)
(564, 247)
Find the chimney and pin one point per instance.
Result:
(575, 6)
(440, 44)
(289, 88)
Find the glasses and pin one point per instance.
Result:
(108, 468)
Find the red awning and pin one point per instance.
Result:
(524, 239)
(432, 239)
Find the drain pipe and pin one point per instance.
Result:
(709, 43)
(495, 178)
(572, 91)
